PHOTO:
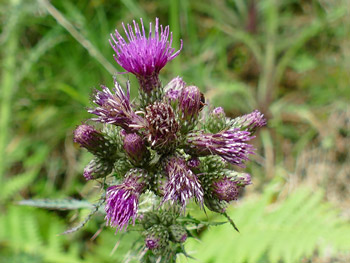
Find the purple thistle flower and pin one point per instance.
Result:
(219, 112)
(116, 108)
(91, 139)
(144, 55)
(174, 88)
(157, 238)
(229, 145)
(122, 200)
(249, 122)
(162, 125)
(135, 147)
(225, 189)
(182, 183)
(152, 242)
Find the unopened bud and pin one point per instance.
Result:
(91, 139)
(249, 122)
(97, 168)
(191, 102)
(173, 89)
(216, 121)
(157, 238)
(149, 219)
(225, 189)
(135, 147)
(214, 204)
(178, 233)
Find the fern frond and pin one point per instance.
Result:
(287, 232)
(35, 235)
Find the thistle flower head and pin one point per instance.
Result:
(116, 108)
(182, 183)
(122, 200)
(160, 146)
(144, 54)
(219, 111)
(162, 125)
(173, 89)
(89, 138)
(225, 189)
(215, 204)
(230, 145)
(135, 147)
(152, 242)
(157, 238)
(216, 121)
(97, 168)
(178, 233)
(249, 122)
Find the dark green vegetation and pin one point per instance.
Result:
(289, 59)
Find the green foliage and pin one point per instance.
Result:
(33, 237)
(288, 231)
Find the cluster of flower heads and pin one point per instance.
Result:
(163, 143)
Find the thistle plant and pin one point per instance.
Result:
(162, 145)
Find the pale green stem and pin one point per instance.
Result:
(8, 84)
(93, 51)
(267, 79)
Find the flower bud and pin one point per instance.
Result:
(244, 180)
(190, 103)
(218, 112)
(157, 238)
(167, 218)
(225, 189)
(135, 148)
(97, 168)
(249, 122)
(178, 233)
(91, 139)
(149, 219)
(173, 90)
(214, 204)
(216, 121)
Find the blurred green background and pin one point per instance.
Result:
(290, 59)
